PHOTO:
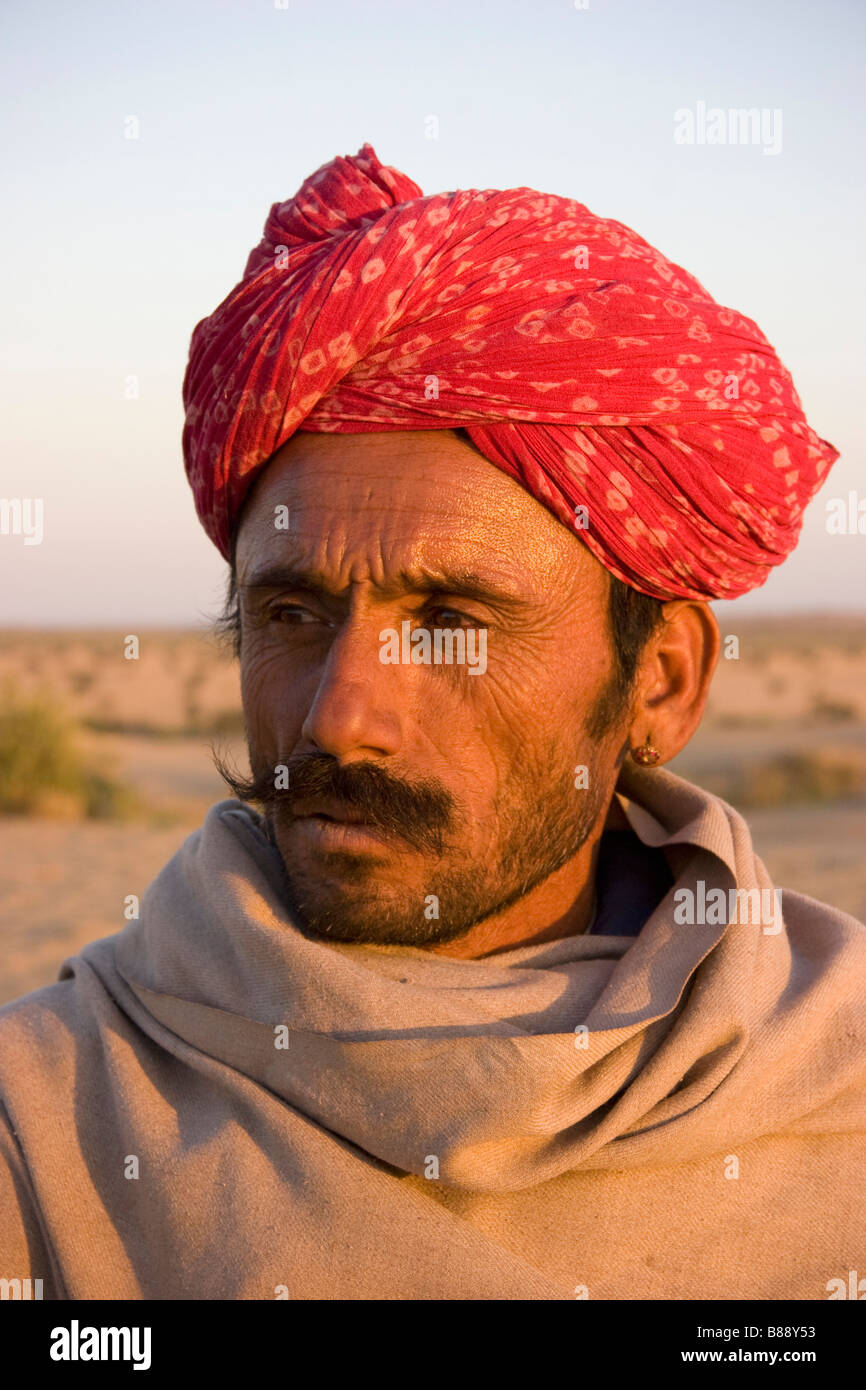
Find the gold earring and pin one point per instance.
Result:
(645, 753)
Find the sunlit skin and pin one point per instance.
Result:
(380, 525)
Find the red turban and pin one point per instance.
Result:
(659, 426)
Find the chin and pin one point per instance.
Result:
(350, 903)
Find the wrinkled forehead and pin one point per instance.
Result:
(376, 506)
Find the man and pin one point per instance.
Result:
(482, 1003)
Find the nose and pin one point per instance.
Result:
(357, 710)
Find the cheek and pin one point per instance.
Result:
(510, 734)
(542, 687)
(271, 706)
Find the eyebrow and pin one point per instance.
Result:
(466, 583)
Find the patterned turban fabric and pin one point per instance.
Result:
(657, 425)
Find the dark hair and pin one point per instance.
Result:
(228, 625)
(632, 619)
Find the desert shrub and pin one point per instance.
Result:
(833, 711)
(226, 723)
(42, 769)
(789, 779)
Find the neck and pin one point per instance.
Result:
(563, 905)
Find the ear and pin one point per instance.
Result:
(674, 677)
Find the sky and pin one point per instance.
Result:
(113, 248)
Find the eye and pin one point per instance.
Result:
(452, 617)
(292, 615)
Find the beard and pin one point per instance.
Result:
(537, 823)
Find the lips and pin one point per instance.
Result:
(323, 833)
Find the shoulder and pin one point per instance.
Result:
(43, 1017)
(823, 936)
(45, 1035)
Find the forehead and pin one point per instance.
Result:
(373, 504)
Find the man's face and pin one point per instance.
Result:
(422, 798)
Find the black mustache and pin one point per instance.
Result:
(421, 814)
